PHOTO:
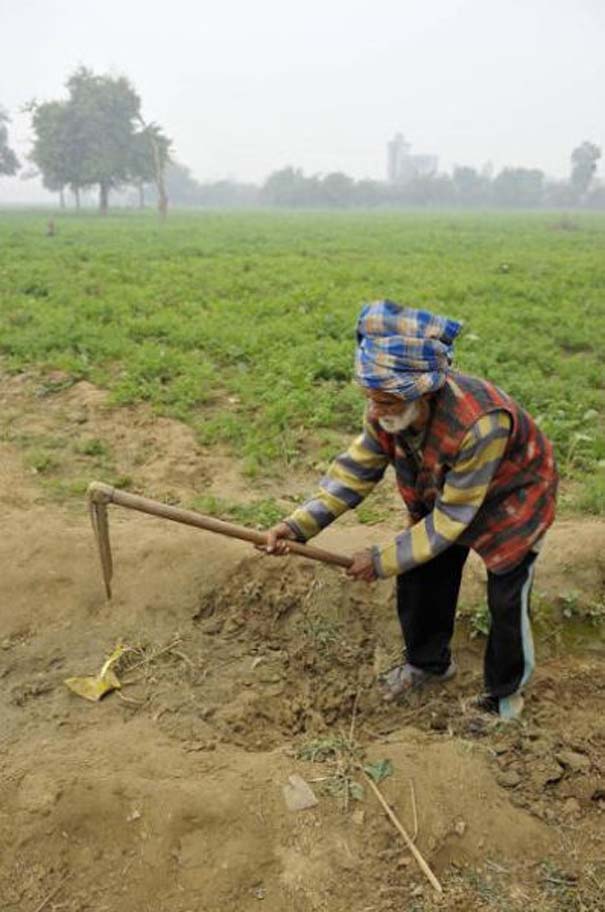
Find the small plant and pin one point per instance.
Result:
(480, 620)
(93, 447)
(369, 513)
(573, 609)
(42, 461)
(260, 513)
(344, 756)
(323, 631)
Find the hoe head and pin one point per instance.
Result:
(99, 496)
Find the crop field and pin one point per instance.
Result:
(242, 325)
(207, 362)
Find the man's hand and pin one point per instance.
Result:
(362, 567)
(277, 539)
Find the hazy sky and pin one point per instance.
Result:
(246, 87)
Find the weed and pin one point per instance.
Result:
(260, 513)
(574, 609)
(369, 513)
(42, 461)
(93, 447)
(323, 631)
(479, 619)
(344, 757)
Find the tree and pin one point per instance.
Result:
(425, 190)
(105, 110)
(584, 160)
(471, 187)
(56, 151)
(369, 192)
(149, 156)
(287, 187)
(522, 187)
(337, 189)
(596, 197)
(181, 185)
(9, 163)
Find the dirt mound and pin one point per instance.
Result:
(144, 824)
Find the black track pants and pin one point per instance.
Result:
(427, 597)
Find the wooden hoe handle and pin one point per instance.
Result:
(100, 495)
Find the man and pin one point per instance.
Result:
(475, 472)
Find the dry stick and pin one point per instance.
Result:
(414, 811)
(148, 659)
(353, 715)
(52, 894)
(397, 824)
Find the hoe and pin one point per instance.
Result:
(100, 495)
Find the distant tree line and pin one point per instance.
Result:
(97, 138)
(526, 188)
(466, 187)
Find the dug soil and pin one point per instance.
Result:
(243, 670)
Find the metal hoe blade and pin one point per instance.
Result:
(100, 525)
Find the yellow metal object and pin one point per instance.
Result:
(94, 688)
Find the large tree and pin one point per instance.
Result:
(9, 163)
(97, 137)
(56, 151)
(584, 160)
(105, 110)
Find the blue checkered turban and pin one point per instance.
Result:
(403, 351)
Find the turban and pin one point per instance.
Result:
(403, 351)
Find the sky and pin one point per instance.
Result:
(244, 88)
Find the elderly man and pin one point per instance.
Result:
(475, 472)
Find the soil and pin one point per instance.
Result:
(168, 794)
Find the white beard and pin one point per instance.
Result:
(395, 423)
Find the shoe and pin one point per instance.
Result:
(508, 708)
(404, 678)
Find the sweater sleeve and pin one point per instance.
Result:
(350, 478)
(464, 491)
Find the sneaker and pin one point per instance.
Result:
(508, 708)
(405, 678)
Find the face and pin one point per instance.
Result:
(393, 413)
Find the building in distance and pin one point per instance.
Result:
(403, 165)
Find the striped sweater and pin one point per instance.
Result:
(483, 475)
(354, 474)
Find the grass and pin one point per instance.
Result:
(242, 325)
(259, 513)
(559, 621)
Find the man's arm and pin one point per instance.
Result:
(463, 493)
(350, 478)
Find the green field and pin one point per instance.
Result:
(243, 325)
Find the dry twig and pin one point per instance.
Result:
(148, 659)
(398, 826)
(414, 811)
(353, 715)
